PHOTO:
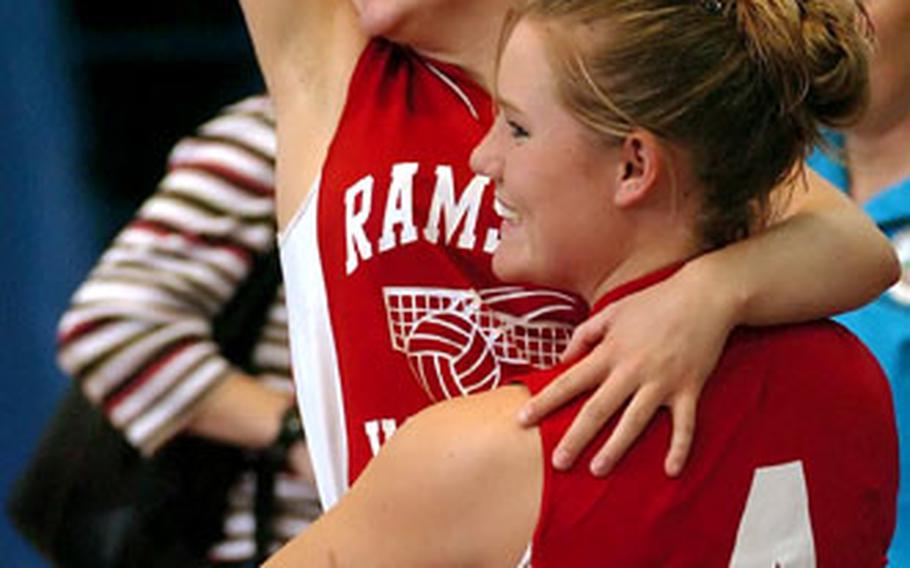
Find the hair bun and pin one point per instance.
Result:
(814, 54)
(837, 37)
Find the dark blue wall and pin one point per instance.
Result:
(44, 248)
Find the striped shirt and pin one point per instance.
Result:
(138, 334)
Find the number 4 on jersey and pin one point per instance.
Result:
(775, 529)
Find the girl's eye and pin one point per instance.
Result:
(516, 130)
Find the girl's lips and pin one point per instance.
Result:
(504, 210)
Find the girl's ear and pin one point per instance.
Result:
(640, 163)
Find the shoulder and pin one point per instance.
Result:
(467, 475)
(247, 125)
(449, 448)
(259, 104)
(821, 343)
(225, 168)
(819, 358)
(469, 431)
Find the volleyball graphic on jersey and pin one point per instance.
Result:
(458, 341)
(451, 356)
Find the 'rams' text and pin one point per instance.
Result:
(446, 214)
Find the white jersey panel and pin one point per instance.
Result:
(313, 357)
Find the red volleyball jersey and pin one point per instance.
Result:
(794, 464)
(397, 306)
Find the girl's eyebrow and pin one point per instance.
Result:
(507, 105)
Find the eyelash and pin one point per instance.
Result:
(517, 130)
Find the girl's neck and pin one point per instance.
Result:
(878, 158)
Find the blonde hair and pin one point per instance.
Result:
(743, 84)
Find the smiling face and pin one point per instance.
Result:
(554, 179)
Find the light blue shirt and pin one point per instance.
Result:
(884, 325)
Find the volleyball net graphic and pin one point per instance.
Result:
(456, 339)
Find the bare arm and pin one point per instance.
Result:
(824, 256)
(657, 348)
(307, 50)
(458, 485)
(240, 411)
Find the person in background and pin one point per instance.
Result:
(871, 162)
(609, 179)
(138, 335)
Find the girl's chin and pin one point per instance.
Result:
(507, 268)
(500, 266)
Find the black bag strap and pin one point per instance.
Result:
(237, 327)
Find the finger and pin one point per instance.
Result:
(589, 422)
(586, 336)
(635, 418)
(683, 412)
(581, 377)
(583, 340)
